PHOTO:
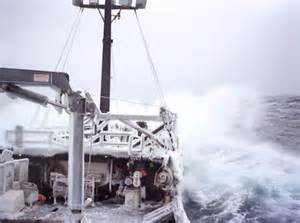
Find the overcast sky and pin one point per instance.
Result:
(196, 44)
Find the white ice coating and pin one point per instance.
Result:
(224, 158)
(45, 119)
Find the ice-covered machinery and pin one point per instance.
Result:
(15, 190)
(13, 172)
(130, 161)
(103, 167)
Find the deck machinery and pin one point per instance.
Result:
(104, 167)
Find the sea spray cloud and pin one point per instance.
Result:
(231, 174)
(16, 111)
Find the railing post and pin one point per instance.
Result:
(76, 156)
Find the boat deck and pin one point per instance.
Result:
(110, 213)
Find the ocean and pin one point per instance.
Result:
(243, 165)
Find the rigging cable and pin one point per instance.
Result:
(150, 60)
(100, 13)
(90, 150)
(127, 101)
(113, 70)
(72, 42)
(70, 37)
(130, 102)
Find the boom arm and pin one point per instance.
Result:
(57, 80)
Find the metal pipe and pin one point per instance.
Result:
(130, 117)
(25, 94)
(106, 60)
(110, 174)
(144, 131)
(30, 95)
(76, 163)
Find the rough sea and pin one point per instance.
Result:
(242, 158)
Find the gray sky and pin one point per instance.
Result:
(196, 44)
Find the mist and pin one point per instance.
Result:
(195, 45)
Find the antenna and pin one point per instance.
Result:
(108, 6)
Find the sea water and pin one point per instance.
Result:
(242, 156)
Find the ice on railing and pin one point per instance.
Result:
(126, 3)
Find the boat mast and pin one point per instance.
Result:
(108, 6)
(106, 60)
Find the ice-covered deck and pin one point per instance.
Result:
(109, 213)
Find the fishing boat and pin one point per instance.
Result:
(105, 167)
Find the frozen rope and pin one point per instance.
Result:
(70, 36)
(150, 60)
(131, 102)
(72, 42)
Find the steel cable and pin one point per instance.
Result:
(69, 37)
(150, 60)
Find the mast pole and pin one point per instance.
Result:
(106, 60)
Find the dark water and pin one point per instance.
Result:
(254, 178)
(282, 122)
